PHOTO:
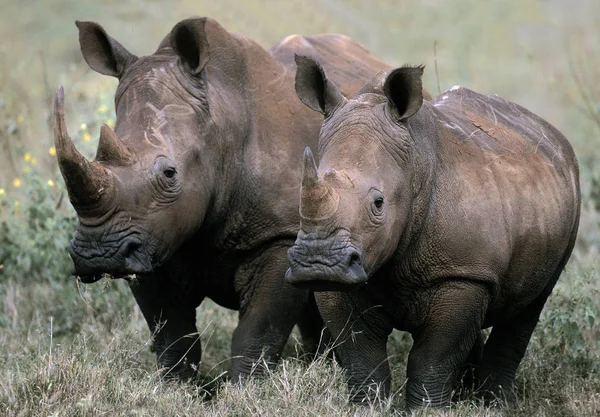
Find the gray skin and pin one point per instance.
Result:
(196, 189)
(438, 218)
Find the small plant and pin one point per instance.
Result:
(36, 219)
(35, 225)
(571, 315)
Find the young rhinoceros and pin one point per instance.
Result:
(438, 218)
(195, 190)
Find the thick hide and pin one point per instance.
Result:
(458, 213)
(196, 189)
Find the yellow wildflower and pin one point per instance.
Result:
(87, 136)
(17, 182)
(50, 183)
(17, 204)
(27, 157)
(110, 123)
(52, 151)
(33, 161)
(26, 170)
(83, 126)
(2, 192)
(102, 109)
(20, 119)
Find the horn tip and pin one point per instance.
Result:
(309, 172)
(308, 152)
(309, 159)
(59, 98)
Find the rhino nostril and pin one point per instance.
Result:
(129, 247)
(354, 258)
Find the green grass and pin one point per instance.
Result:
(76, 350)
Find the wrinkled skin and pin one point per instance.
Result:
(195, 191)
(438, 218)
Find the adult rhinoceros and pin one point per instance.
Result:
(438, 218)
(195, 191)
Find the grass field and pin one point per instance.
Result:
(76, 350)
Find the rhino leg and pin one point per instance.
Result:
(269, 309)
(316, 338)
(442, 344)
(359, 333)
(469, 381)
(171, 318)
(504, 351)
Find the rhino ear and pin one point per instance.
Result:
(314, 88)
(189, 40)
(404, 89)
(101, 52)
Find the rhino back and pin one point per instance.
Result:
(505, 197)
(347, 63)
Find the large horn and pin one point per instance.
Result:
(318, 200)
(86, 181)
(111, 150)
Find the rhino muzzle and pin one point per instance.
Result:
(90, 261)
(323, 266)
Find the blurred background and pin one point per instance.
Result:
(60, 341)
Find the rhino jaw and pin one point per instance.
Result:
(339, 271)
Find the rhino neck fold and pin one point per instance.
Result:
(424, 148)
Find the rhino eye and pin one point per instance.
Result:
(169, 172)
(377, 204)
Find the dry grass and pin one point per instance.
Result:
(104, 366)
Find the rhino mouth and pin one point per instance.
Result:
(340, 270)
(90, 279)
(129, 258)
(323, 283)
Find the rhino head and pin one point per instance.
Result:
(150, 185)
(357, 204)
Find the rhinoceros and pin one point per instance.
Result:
(438, 218)
(195, 190)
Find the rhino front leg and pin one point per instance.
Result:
(359, 333)
(269, 309)
(171, 317)
(444, 342)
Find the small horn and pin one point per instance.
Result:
(338, 178)
(111, 150)
(318, 200)
(86, 181)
